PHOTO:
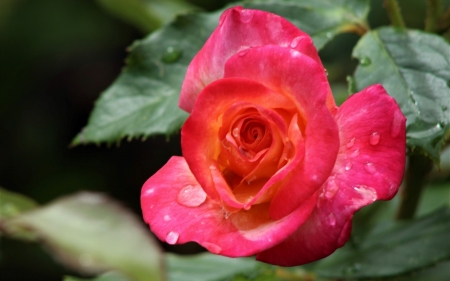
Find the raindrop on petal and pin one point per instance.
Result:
(331, 219)
(354, 153)
(246, 16)
(370, 168)
(213, 248)
(166, 218)
(172, 237)
(243, 52)
(332, 188)
(191, 196)
(351, 143)
(396, 124)
(374, 138)
(295, 41)
(149, 191)
(348, 166)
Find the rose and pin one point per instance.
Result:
(271, 165)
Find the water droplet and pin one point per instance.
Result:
(249, 181)
(149, 191)
(212, 167)
(370, 168)
(171, 55)
(226, 214)
(166, 218)
(332, 188)
(172, 237)
(365, 61)
(374, 138)
(351, 143)
(243, 52)
(352, 269)
(329, 35)
(246, 16)
(348, 166)
(331, 219)
(326, 72)
(354, 153)
(396, 124)
(368, 195)
(213, 248)
(191, 196)
(295, 41)
(236, 132)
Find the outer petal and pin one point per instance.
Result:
(202, 220)
(239, 29)
(351, 187)
(302, 79)
(200, 142)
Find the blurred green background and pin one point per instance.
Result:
(56, 57)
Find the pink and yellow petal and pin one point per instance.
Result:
(239, 29)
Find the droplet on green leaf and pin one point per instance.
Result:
(365, 61)
(172, 54)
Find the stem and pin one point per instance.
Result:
(434, 11)
(393, 10)
(419, 167)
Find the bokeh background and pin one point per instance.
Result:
(56, 57)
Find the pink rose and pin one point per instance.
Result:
(271, 165)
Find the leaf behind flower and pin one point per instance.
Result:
(414, 67)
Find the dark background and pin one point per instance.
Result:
(56, 57)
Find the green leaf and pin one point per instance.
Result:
(108, 276)
(414, 67)
(91, 233)
(207, 267)
(393, 248)
(321, 19)
(13, 204)
(147, 15)
(143, 101)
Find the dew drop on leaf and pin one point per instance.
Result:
(365, 61)
(171, 55)
(374, 138)
(172, 237)
(191, 196)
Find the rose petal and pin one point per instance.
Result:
(239, 29)
(351, 187)
(200, 142)
(208, 224)
(297, 76)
